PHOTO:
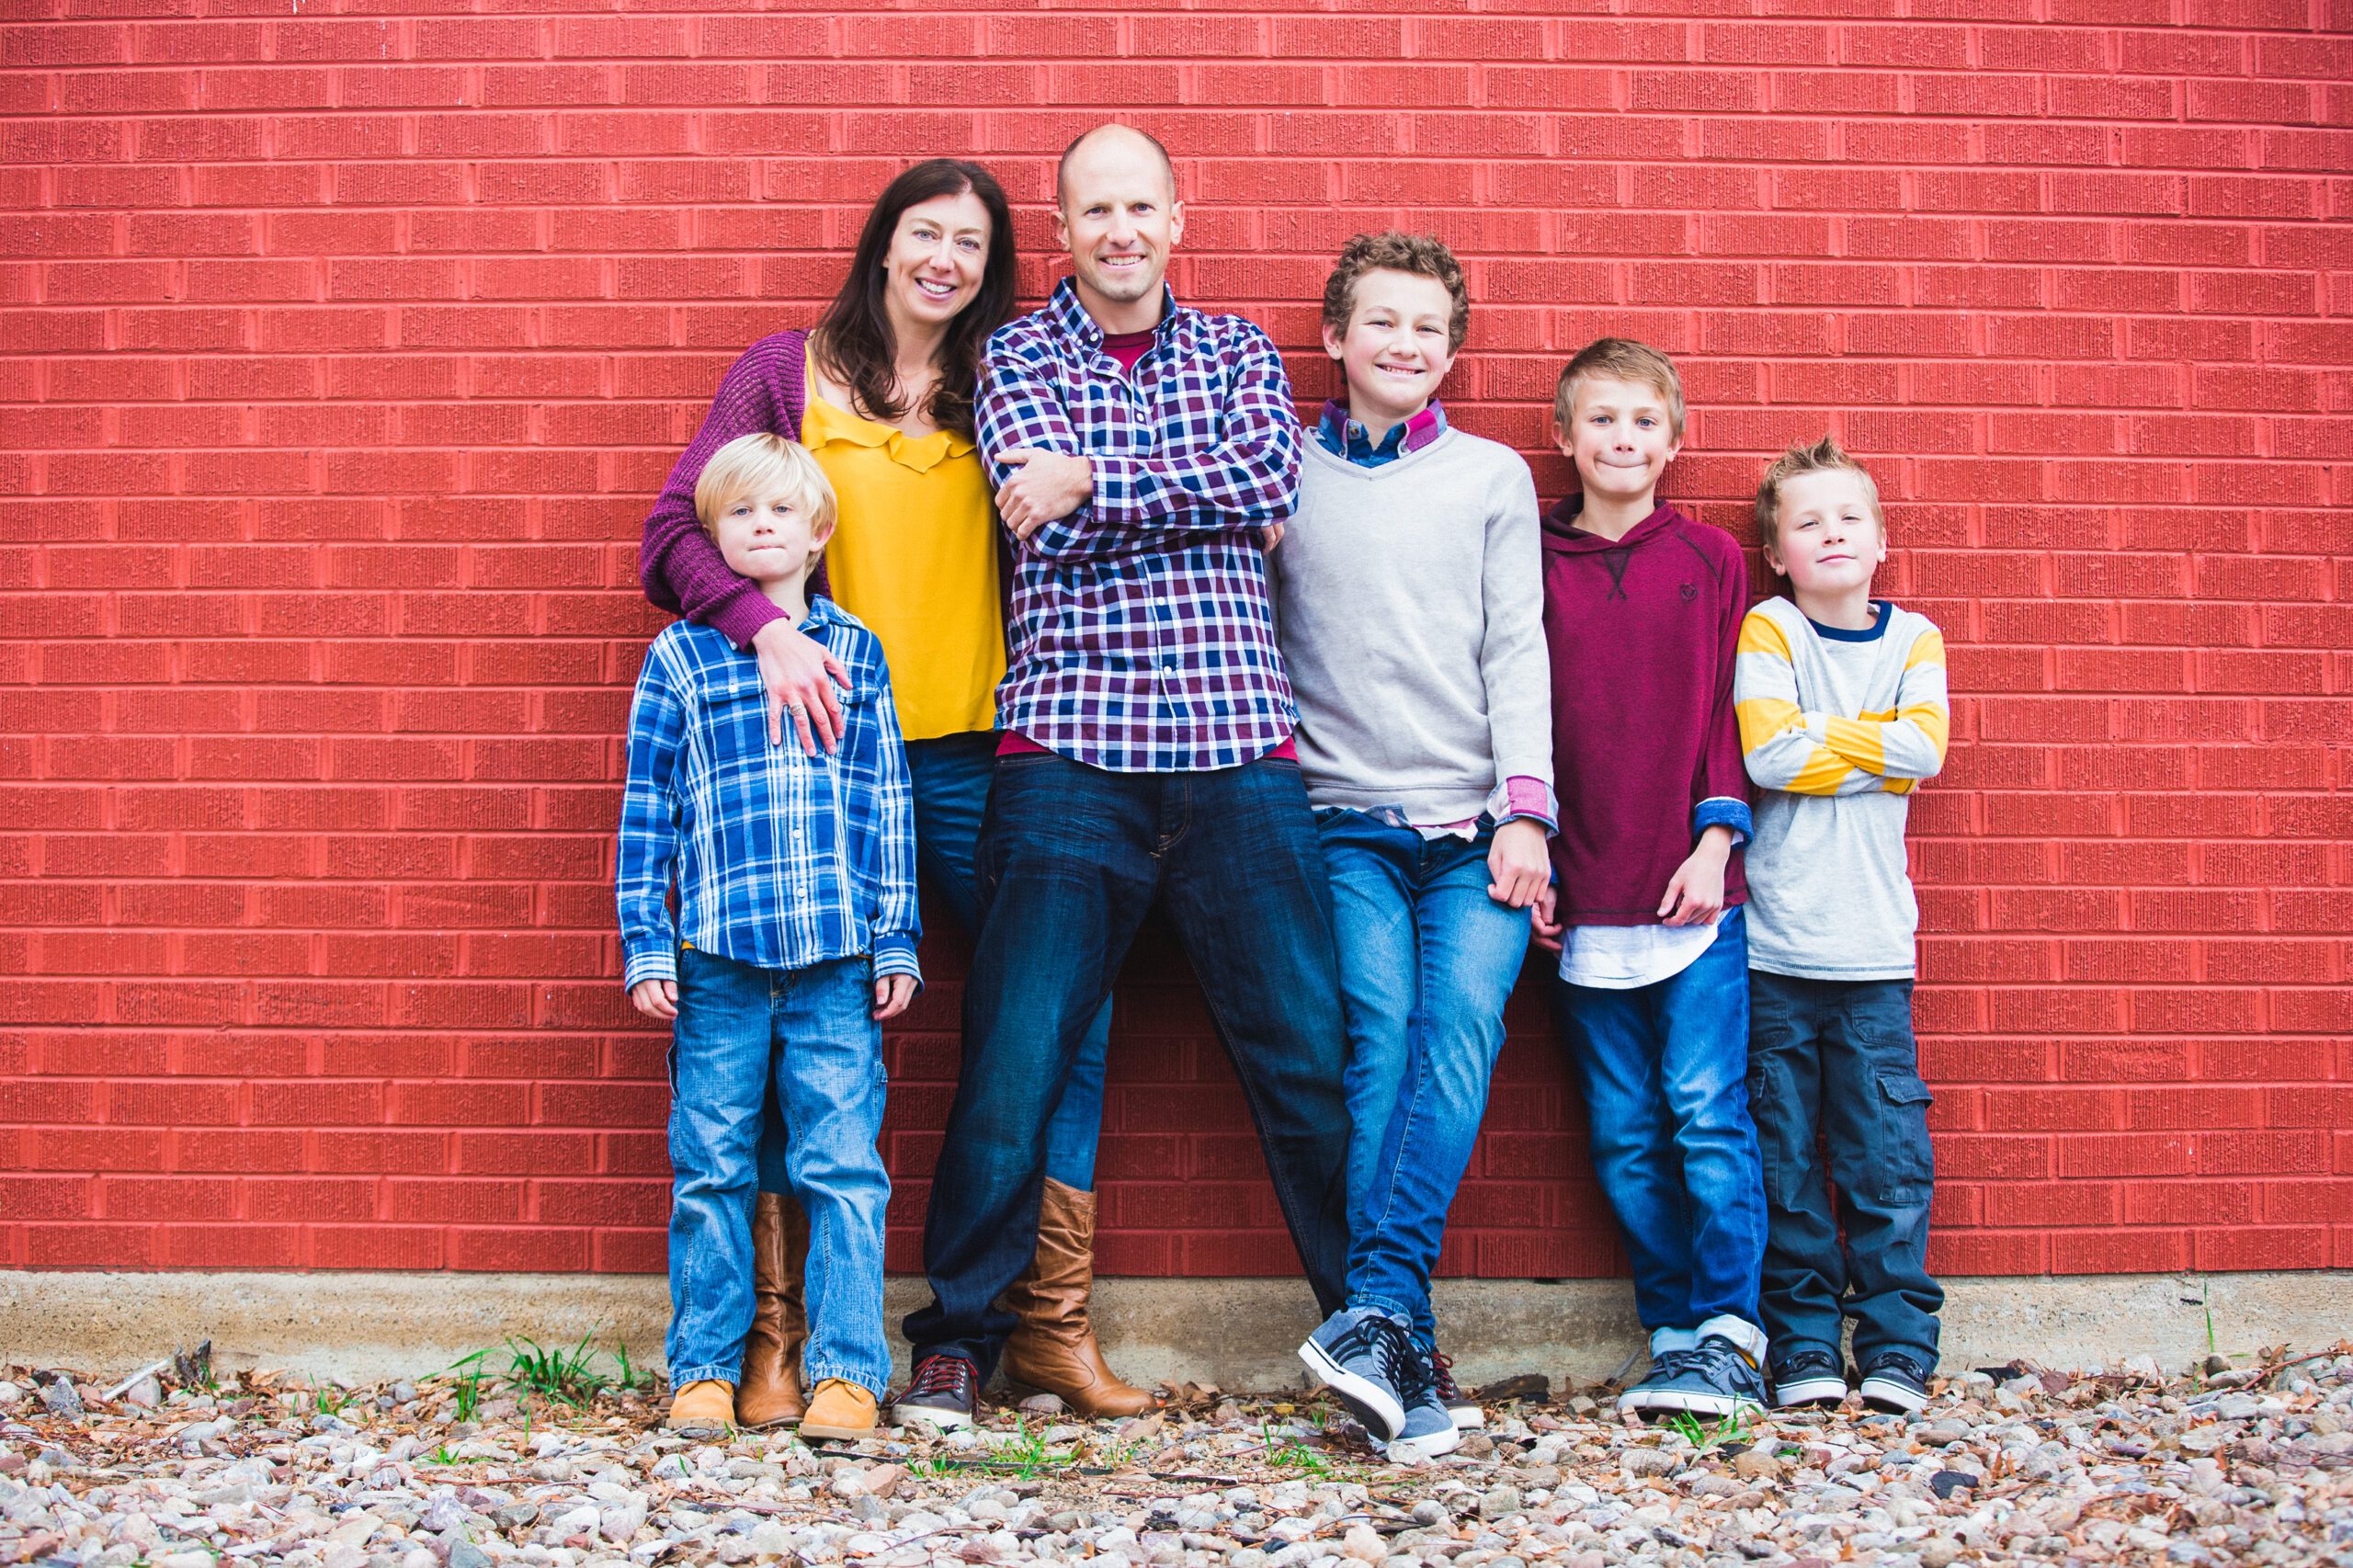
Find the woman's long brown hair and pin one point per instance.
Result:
(854, 338)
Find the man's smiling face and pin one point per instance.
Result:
(1118, 218)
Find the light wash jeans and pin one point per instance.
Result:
(811, 1033)
(1426, 963)
(1665, 1072)
(951, 784)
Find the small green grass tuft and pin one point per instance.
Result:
(1292, 1454)
(468, 1386)
(568, 1377)
(1733, 1428)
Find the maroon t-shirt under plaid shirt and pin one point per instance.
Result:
(1141, 638)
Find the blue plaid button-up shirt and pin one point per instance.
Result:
(781, 860)
(1141, 639)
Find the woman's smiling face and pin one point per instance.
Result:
(937, 254)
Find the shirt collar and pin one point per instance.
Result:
(1064, 306)
(1344, 437)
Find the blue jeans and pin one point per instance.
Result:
(810, 1035)
(952, 787)
(1427, 961)
(1833, 1062)
(1663, 1069)
(1070, 858)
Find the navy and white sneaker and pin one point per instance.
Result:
(1465, 1411)
(1894, 1382)
(1809, 1375)
(1366, 1359)
(1641, 1398)
(945, 1392)
(1716, 1379)
(1430, 1429)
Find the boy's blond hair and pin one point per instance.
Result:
(751, 462)
(1393, 251)
(1818, 457)
(1621, 360)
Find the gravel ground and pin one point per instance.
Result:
(2224, 1465)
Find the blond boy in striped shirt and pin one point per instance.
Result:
(1842, 708)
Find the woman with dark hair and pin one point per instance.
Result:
(881, 391)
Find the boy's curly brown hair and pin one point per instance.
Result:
(1393, 250)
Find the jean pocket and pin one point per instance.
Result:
(1905, 1160)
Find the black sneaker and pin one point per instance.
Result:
(945, 1392)
(1715, 1378)
(1464, 1411)
(1811, 1376)
(1366, 1359)
(1893, 1382)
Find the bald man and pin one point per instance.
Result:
(1146, 456)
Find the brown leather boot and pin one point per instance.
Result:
(1053, 1347)
(770, 1391)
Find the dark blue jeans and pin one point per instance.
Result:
(952, 787)
(1071, 859)
(1832, 1063)
(1664, 1070)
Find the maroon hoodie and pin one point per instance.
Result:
(1645, 749)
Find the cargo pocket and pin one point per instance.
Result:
(1784, 1137)
(1905, 1161)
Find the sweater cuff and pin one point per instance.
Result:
(740, 619)
(894, 953)
(1724, 810)
(1522, 796)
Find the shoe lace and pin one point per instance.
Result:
(1442, 1377)
(1386, 1343)
(1719, 1361)
(942, 1374)
(1667, 1364)
(1417, 1379)
(1807, 1363)
(1896, 1361)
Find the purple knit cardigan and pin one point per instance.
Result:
(681, 568)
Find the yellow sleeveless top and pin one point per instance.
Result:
(913, 556)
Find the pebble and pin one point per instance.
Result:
(2238, 1464)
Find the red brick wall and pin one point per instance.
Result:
(341, 347)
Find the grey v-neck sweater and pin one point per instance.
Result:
(1409, 599)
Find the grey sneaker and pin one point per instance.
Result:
(1641, 1398)
(1716, 1379)
(1363, 1356)
(1430, 1429)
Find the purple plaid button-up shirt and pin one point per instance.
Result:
(1143, 636)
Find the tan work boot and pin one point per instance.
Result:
(1053, 1348)
(770, 1393)
(707, 1405)
(841, 1409)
